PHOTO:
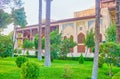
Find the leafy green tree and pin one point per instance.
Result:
(117, 21)
(57, 44)
(6, 49)
(4, 20)
(27, 44)
(65, 47)
(111, 33)
(55, 40)
(101, 61)
(36, 42)
(111, 53)
(18, 17)
(89, 40)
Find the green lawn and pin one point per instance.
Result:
(9, 70)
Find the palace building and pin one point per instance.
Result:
(76, 27)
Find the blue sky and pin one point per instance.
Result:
(60, 9)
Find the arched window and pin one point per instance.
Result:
(81, 38)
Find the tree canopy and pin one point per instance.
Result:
(65, 47)
(89, 40)
(59, 47)
(111, 33)
(27, 44)
(4, 19)
(19, 17)
(6, 49)
(110, 51)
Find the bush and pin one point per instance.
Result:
(116, 76)
(67, 72)
(15, 51)
(100, 62)
(81, 59)
(76, 58)
(88, 58)
(20, 60)
(6, 46)
(27, 53)
(30, 70)
(19, 51)
(28, 44)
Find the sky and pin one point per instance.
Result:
(60, 9)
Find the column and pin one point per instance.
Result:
(31, 35)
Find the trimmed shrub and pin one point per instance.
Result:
(77, 58)
(20, 60)
(81, 59)
(67, 72)
(116, 76)
(30, 70)
(88, 58)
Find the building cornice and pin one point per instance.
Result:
(56, 23)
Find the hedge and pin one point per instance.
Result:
(77, 58)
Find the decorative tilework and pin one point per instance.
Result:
(93, 21)
(80, 23)
(90, 23)
(67, 25)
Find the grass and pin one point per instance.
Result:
(9, 70)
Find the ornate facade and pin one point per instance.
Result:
(77, 27)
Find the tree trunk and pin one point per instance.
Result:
(14, 40)
(40, 31)
(47, 36)
(118, 21)
(14, 35)
(97, 40)
(110, 70)
(86, 51)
